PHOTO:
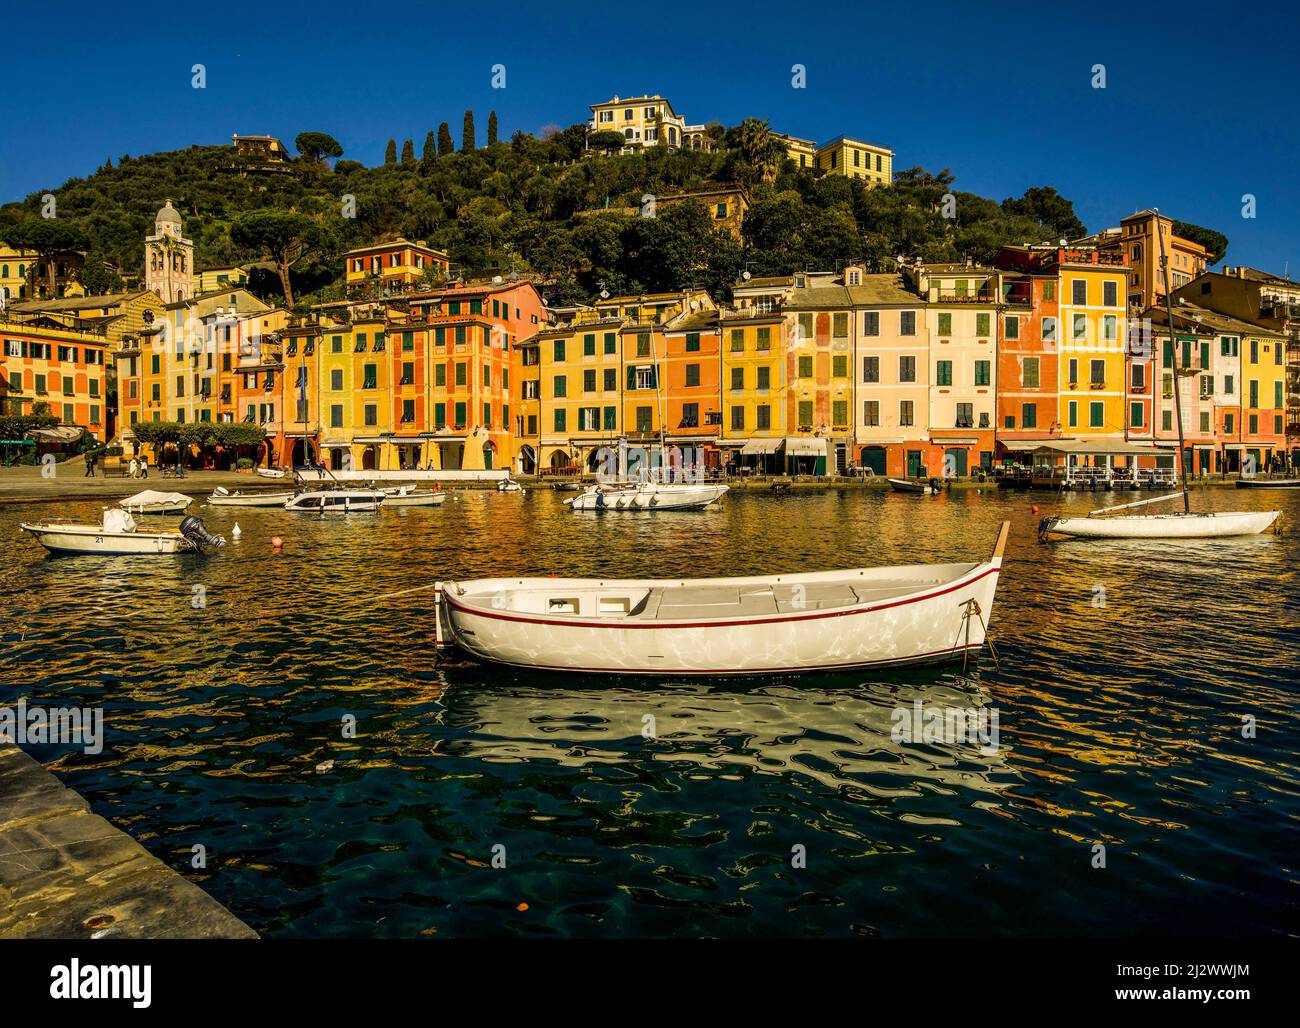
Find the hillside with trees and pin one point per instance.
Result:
(529, 205)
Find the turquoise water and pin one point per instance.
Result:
(1125, 672)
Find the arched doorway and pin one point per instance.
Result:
(369, 458)
(527, 460)
(489, 451)
(559, 460)
(302, 453)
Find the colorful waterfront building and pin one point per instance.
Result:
(1266, 300)
(46, 366)
(754, 402)
(1028, 344)
(692, 389)
(962, 306)
(578, 396)
(1094, 323)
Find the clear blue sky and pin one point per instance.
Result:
(999, 92)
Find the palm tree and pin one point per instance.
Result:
(759, 147)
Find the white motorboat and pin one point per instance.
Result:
(403, 497)
(151, 501)
(222, 497)
(1268, 483)
(271, 472)
(765, 624)
(1209, 525)
(509, 485)
(648, 496)
(118, 534)
(921, 486)
(320, 501)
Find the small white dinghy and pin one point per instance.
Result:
(509, 485)
(648, 496)
(766, 624)
(151, 501)
(271, 472)
(119, 535)
(401, 496)
(222, 497)
(1207, 525)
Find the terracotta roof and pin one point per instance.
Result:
(874, 290)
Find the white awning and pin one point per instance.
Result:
(805, 447)
(336, 446)
(62, 434)
(761, 446)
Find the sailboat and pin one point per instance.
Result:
(1100, 524)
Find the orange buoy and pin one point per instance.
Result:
(521, 907)
(276, 542)
(1033, 509)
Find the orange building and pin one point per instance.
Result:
(1028, 353)
(52, 366)
(393, 267)
(692, 387)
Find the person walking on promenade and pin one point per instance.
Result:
(134, 469)
(144, 467)
(90, 468)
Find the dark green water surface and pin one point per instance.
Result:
(1126, 672)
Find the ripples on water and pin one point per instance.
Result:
(1126, 670)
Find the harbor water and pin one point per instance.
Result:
(1144, 778)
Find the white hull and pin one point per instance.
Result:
(337, 501)
(781, 624)
(415, 500)
(271, 472)
(94, 539)
(250, 500)
(648, 497)
(1164, 526)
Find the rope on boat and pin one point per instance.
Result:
(973, 609)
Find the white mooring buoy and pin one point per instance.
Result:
(235, 532)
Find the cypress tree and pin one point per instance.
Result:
(467, 133)
(492, 128)
(390, 152)
(430, 152)
(444, 140)
(408, 152)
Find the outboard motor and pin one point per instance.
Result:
(194, 530)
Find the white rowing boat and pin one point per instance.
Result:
(648, 496)
(1211, 525)
(766, 624)
(151, 501)
(224, 498)
(118, 535)
(271, 472)
(403, 497)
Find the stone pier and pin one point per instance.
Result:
(66, 873)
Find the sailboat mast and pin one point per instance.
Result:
(1173, 346)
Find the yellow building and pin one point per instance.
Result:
(215, 280)
(802, 151)
(121, 315)
(1092, 287)
(643, 121)
(753, 384)
(855, 159)
(24, 277)
(578, 392)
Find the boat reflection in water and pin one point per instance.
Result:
(832, 729)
